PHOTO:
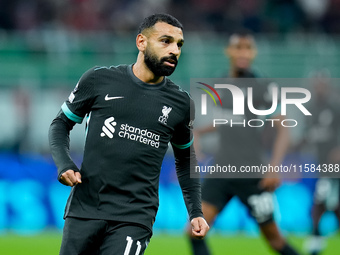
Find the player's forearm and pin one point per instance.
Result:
(60, 143)
(281, 145)
(192, 196)
(191, 187)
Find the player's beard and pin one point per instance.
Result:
(157, 66)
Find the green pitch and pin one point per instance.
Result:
(49, 243)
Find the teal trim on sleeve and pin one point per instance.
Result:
(184, 146)
(70, 114)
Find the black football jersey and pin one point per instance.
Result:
(129, 126)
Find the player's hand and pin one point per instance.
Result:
(70, 178)
(199, 227)
(270, 183)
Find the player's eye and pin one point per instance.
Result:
(167, 41)
(179, 45)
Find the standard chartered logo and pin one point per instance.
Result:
(126, 131)
(108, 128)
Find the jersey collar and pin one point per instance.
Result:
(144, 84)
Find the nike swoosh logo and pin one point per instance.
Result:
(107, 98)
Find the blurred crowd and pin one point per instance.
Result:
(259, 16)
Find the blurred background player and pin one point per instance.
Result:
(322, 136)
(241, 145)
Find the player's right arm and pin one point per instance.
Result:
(72, 111)
(59, 139)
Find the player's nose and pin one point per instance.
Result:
(175, 50)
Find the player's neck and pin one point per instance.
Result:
(233, 72)
(142, 72)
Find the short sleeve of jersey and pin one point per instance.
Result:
(81, 98)
(183, 137)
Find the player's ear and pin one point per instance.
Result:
(141, 42)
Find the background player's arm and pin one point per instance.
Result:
(280, 147)
(281, 142)
(205, 130)
(68, 172)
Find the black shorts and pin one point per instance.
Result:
(101, 237)
(259, 202)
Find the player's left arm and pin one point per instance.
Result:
(185, 160)
(280, 148)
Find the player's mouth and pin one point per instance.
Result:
(170, 62)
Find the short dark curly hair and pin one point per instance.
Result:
(151, 20)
